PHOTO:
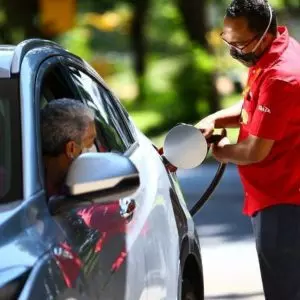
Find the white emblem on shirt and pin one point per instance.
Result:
(264, 109)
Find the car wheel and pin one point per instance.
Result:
(187, 291)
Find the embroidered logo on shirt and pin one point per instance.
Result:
(264, 109)
(244, 116)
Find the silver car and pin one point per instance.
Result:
(129, 236)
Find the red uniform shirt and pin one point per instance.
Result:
(271, 110)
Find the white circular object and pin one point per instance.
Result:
(185, 146)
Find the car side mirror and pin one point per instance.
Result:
(97, 177)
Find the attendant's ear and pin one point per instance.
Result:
(267, 40)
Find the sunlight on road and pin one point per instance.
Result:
(231, 270)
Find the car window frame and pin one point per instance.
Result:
(43, 69)
(119, 106)
(86, 69)
(16, 182)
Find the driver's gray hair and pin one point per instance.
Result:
(63, 120)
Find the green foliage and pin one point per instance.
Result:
(177, 86)
(96, 5)
(193, 85)
(147, 119)
(177, 90)
(77, 41)
(165, 32)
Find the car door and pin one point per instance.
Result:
(131, 260)
(153, 229)
(95, 234)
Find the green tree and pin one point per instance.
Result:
(194, 15)
(138, 38)
(139, 42)
(19, 20)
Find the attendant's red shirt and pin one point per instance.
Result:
(271, 110)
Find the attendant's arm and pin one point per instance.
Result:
(275, 109)
(225, 118)
(249, 151)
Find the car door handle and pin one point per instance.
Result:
(127, 208)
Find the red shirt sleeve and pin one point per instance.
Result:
(274, 108)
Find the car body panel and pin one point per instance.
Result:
(161, 250)
(95, 251)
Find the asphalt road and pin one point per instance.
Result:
(230, 264)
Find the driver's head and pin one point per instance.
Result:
(249, 29)
(67, 129)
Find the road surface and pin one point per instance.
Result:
(230, 264)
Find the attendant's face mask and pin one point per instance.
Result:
(249, 59)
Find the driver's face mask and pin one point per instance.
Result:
(250, 59)
(83, 149)
(92, 149)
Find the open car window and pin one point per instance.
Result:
(57, 84)
(108, 121)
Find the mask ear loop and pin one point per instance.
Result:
(270, 21)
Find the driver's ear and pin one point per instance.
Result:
(70, 150)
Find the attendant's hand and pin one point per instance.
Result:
(217, 149)
(206, 126)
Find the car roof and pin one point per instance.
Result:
(11, 57)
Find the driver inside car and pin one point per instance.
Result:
(2, 156)
(67, 130)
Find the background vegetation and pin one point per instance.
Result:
(163, 58)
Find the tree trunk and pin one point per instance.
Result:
(138, 42)
(21, 17)
(194, 16)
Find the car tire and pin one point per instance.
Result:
(188, 291)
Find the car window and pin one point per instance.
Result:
(128, 121)
(10, 141)
(108, 120)
(56, 84)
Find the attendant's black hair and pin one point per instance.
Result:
(257, 13)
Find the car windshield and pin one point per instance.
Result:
(10, 142)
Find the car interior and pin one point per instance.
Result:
(56, 87)
(4, 151)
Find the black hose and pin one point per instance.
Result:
(199, 204)
(213, 139)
